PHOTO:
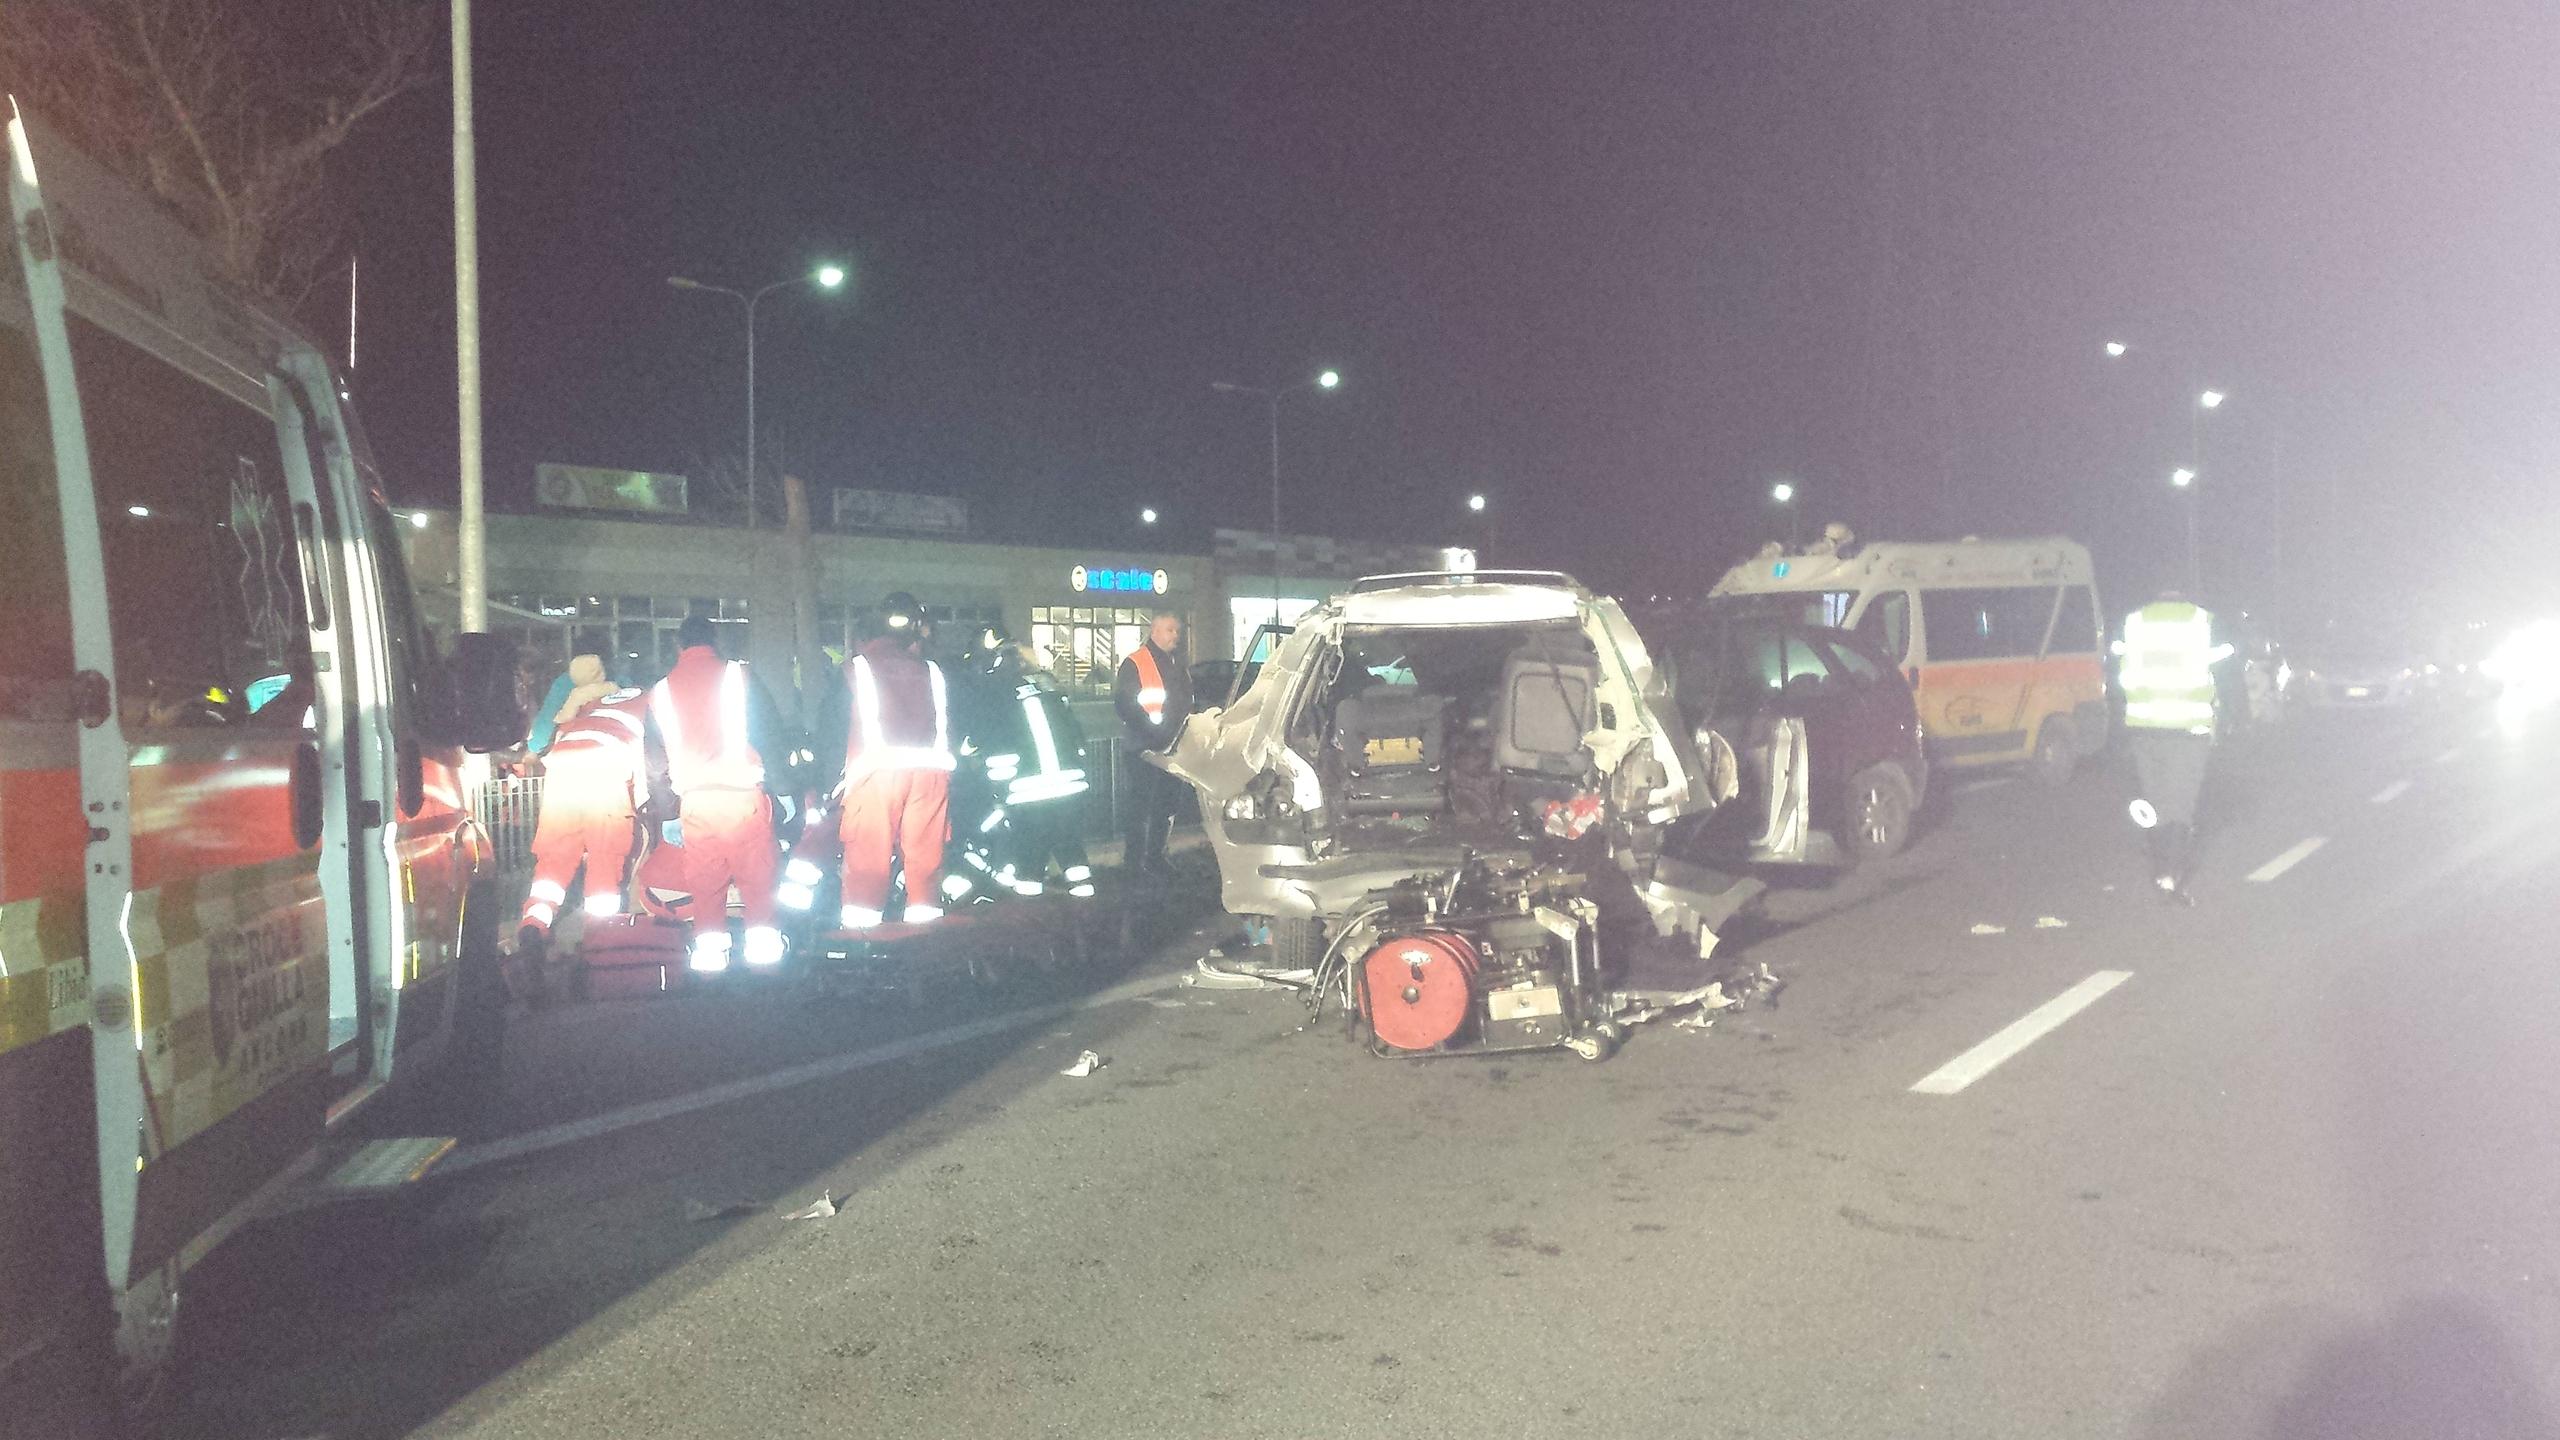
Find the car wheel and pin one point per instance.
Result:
(1297, 943)
(1879, 814)
(2057, 755)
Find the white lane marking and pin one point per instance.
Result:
(2391, 792)
(2450, 756)
(551, 1137)
(2287, 860)
(1982, 1059)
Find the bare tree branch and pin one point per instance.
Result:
(228, 111)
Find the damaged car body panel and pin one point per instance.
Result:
(1474, 772)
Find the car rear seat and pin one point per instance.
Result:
(1545, 709)
(1392, 739)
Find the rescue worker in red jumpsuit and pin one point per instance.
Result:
(893, 716)
(711, 714)
(597, 767)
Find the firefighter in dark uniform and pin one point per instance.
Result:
(1024, 774)
(1152, 693)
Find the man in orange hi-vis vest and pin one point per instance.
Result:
(1153, 696)
(893, 716)
(710, 713)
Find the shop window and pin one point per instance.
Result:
(1082, 645)
(635, 648)
(204, 579)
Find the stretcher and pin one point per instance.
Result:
(983, 945)
(631, 955)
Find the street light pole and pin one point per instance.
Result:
(471, 561)
(825, 277)
(1271, 396)
(1275, 507)
(2189, 476)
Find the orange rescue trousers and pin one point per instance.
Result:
(728, 839)
(586, 818)
(901, 813)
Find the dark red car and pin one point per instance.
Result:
(1866, 774)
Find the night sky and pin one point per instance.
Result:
(1622, 266)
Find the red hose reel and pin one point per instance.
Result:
(1419, 988)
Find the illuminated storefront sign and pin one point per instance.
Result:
(1109, 580)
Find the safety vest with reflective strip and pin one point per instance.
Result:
(2167, 673)
(869, 747)
(605, 739)
(1151, 692)
(701, 710)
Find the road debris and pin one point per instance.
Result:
(1162, 1003)
(2052, 922)
(1086, 1064)
(700, 1212)
(1987, 928)
(823, 1208)
(1702, 1020)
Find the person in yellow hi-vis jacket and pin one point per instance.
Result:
(2172, 718)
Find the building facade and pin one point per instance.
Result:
(564, 584)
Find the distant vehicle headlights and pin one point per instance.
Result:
(2528, 660)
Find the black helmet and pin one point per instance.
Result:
(901, 616)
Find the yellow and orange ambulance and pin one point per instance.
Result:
(240, 894)
(2000, 639)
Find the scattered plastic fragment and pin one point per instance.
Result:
(699, 1211)
(1986, 928)
(823, 1208)
(1086, 1064)
(1703, 1020)
(2052, 922)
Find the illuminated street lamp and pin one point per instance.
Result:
(2115, 349)
(1783, 495)
(2185, 480)
(1476, 503)
(1271, 396)
(825, 277)
(2212, 399)
(1147, 516)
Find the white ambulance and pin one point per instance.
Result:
(241, 897)
(2002, 640)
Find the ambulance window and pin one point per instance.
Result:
(2001, 624)
(204, 578)
(413, 655)
(1887, 625)
(35, 586)
(2075, 631)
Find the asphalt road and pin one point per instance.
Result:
(2290, 1170)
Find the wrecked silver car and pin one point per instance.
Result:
(1449, 795)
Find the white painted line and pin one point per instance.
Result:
(1988, 1056)
(2391, 792)
(552, 1137)
(1997, 782)
(2287, 860)
(2450, 756)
